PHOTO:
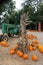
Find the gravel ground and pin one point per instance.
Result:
(7, 59)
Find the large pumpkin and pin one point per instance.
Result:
(5, 44)
(34, 57)
(12, 51)
(25, 56)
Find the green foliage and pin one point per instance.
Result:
(7, 6)
(14, 18)
(35, 9)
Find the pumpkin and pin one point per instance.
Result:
(18, 51)
(40, 48)
(12, 52)
(34, 57)
(20, 54)
(30, 48)
(25, 56)
(5, 44)
(34, 48)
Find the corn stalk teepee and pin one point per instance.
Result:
(23, 44)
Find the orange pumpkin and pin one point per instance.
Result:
(18, 51)
(20, 54)
(34, 57)
(12, 52)
(25, 56)
(5, 44)
(40, 48)
(30, 48)
(34, 48)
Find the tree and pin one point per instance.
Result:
(34, 7)
(2, 5)
(14, 18)
(8, 9)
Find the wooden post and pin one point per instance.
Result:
(39, 26)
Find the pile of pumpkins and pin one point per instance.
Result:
(21, 54)
(32, 47)
(35, 43)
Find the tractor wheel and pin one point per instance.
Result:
(5, 38)
(10, 35)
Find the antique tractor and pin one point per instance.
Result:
(9, 30)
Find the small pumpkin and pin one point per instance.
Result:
(34, 57)
(12, 52)
(30, 48)
(25, 56)
(20, 54)
(18, 51)
(5, 44)
(34, 48)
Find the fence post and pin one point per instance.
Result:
(39, 26)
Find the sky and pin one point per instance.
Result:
(18, 3)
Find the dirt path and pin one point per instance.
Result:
(7, 59)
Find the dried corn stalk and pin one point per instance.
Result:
(23, 45)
